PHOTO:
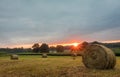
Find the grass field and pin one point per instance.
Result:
(53, 66)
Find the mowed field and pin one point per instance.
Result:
(53, 66)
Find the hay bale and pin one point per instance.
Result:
(98, 57)
(74, 55)
(14, 57)
(44, 55)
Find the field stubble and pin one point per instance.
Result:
(57, 66)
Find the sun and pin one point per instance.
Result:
(75, 44)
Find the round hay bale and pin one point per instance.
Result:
(74, 55)
(14, 57)
(44, 55)
(98, 57)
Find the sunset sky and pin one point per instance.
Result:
(24, 22)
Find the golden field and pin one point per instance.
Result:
(53, 66)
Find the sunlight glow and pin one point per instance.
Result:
(75, 44)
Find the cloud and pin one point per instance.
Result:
(50, 21)
(106, 35)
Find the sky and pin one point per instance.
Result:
(25, 22)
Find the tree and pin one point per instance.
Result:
(35, 48)
(44, 48)
(83, 45)
(52, 48)
(95, 42)
(60, 48)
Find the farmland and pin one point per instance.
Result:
(53, 66)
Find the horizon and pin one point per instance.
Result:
(63, 44)
(23, 23)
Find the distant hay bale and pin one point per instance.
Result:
(98, 57)
(74, 55)
(44, 55)
(14, 57)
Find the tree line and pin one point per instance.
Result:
(109, 45)
(44, 48)
(59, 48)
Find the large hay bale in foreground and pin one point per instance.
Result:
(14, 57)
(44, 55)
(98, 57)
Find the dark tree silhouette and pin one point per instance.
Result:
(52, 48)
(44, 48)
(35, 48)
(95, 42)
(60, 48)
(83, 45)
